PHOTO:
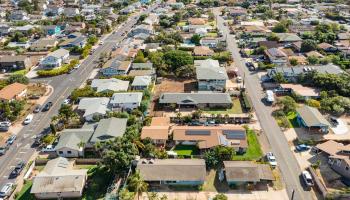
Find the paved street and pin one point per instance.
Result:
(286, 161)
(63, 85)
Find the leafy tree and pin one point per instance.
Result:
(195, 39)
(92, 40)
(137, 184)
(293, 62)
(336, 105)
(217, 155)
(142, 18)
(279, 28)
(177, 58)
(279, 78)
(220, 196)
(273, 37)
(18, 78)
(308, 45)
(287, 104)
(186, 71)
(125, 194)
(66, 112)
(313, 103)
(86, 91)
(312, 59)
(140, 58)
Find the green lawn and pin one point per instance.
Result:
(24, 194)
(186, 150)
(236, 109)
(254, 151)
(212, 35)
(98, 182)
(181, 24)
(292, 118)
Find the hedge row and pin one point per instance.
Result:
(58, 71)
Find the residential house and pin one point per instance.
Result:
(243, 172)
(72, 142)
(93, 107)
(14, 91)
(314, 53)
(52, 30)
(23, 45)
(197, 21)
(141, 82)
(43, 44)
(210, 75)
(300, 90)
(269, 44)
(142, 66)
(108, 129)
(58, 180)
(116, 67)
(53, 10)
(327, 47)
(126, 100)
(190, 172)
(176, 5)
(209, 42)
(312, 119)
(196, 100)
(5, 29)
(291, 74)
(338, 156)
(276, 56)
(142, 69)
(109, 85)
(196, 28)
(202, 51)
(301, 60)
(18, 15)
(24, 29)
(152, 19)
(288, 38)
(55, 59)
(71, 12)
(80, 42)
(238, 12)
(158, 131)
(127, 10)
(10, 63)
(142, 29)
(207, 137)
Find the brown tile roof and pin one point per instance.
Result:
(209, 136)
(160, 121)
(124, 65)
(314, 53)
(325, 45)
(155, 132)
(330, 147)
(11, 91)
(196, 21)
(300, 59)
(202, 51)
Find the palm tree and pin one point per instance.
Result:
(178, 116)
(137, 184)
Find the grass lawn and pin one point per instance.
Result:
(24, 194)
(213, 184)
(254, 151)
(292, 118)
(98, 182)
(236, 109)
(84, 166)
(181, 23)
(186, 150)
(212, 35)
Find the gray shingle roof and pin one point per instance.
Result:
(195, 98)
(70, 138)
(94, 105)
(142, 81)
(312, 117)
(112, 84)
(210, 70)
(142, 65)
(247, 171)
(109, 128)
(172, 169)
(126, 97)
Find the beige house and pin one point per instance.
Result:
(158, 131)
(15, 91)
(59, 180)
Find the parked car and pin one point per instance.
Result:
(3, 149)
(5, 123)
(28, 119)
(309, 182)
(34, 96)
(11, 139)
(17, 170)
(37, 109)
(239, 79)
(271, 159)
(101, 43)
(302, 147)
(47, 106)
(6, 190)
(48, 148)
(77, 66)
(66, 101)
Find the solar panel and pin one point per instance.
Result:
(234, 134)
(197, 132)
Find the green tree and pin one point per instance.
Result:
(312, 59)
(220, 196)
(195, 39)
(177, 58)
(313, 103)
(137, 184)
(18, 78)
(187, 71)
(125, 194)
(279, 78)
(140, 58)
(280, 28)
(293, 62)
(287, 104)
(216, 156)
(66, 112)
(273, 37)
(308, 45)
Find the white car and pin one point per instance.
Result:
(101, 43)
(5, 123)
(307, 179)
(48, 148)
(6, 190)
(66, 101)
(77, 66)
(271, 159)
(28, 119)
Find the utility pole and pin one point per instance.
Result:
(292, 198)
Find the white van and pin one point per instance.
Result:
(6, 190)
(270, 98)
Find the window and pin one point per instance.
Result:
(347, 168)
(60, 152)
(69, 152)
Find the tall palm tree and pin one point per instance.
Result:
(137, 184)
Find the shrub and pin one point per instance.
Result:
(58, 71)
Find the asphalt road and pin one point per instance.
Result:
(63, 85)
(285, 158)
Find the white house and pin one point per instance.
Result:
(93, 107)
(127, 100)
(55, 59)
